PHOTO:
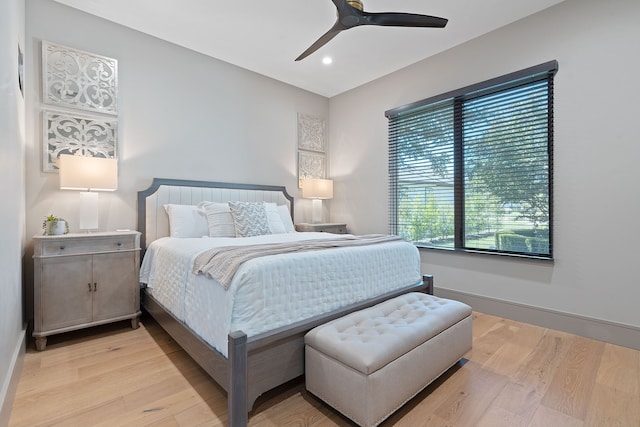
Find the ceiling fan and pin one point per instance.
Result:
(351, 14)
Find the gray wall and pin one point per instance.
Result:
(596, 158)
(12, 237)
(182, 115)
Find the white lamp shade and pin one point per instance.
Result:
(88, 173)
(315, 188)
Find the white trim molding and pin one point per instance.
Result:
(597, 329)
(10, 384)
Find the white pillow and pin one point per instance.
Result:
(186, 221)
(275, 222)
(285, 217)
(249, 218)
(219, 219)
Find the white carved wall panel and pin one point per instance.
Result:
(78, 135)
(77, 79)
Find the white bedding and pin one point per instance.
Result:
(271, 291)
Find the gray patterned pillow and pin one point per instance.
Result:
(249, 218)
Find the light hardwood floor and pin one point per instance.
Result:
(515, 375)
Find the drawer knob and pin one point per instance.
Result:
(119, 244)
(61, 247)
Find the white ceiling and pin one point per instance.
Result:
(266, 36)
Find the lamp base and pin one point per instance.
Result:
(316, 211)
(88, 210)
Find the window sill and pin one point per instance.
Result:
(489, 252)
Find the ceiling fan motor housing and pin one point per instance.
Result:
(356, 4)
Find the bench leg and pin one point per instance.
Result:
(428, 280)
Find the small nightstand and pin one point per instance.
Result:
(83, 280)
(326, 227)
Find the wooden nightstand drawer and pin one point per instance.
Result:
(69, 246)
(335, 228)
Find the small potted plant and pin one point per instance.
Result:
(53, 225)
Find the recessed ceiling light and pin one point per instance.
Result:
(327, 60)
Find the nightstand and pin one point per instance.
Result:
(326, 227)
(83, 280)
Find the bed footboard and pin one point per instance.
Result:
(262, 362)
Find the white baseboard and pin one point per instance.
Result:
(8, 390)
(597, 329)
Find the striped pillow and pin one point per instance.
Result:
(219, 219)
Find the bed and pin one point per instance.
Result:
(247, 364)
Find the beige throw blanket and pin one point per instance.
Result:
(221, 263)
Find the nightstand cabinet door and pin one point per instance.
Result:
(66, 296)
(114, 296)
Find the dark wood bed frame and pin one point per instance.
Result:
(258, 363)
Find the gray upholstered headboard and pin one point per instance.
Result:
(153, 221)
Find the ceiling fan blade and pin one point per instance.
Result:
(334, 31)
(393, 19)
(351, 14)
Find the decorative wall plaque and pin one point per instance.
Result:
(67, 133)
(311, 165)
(312, 160)
(76, 79)
(310, 133)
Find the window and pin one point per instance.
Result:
(472, 169)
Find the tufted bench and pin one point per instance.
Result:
(369, 363)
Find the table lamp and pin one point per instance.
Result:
(318, 190)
